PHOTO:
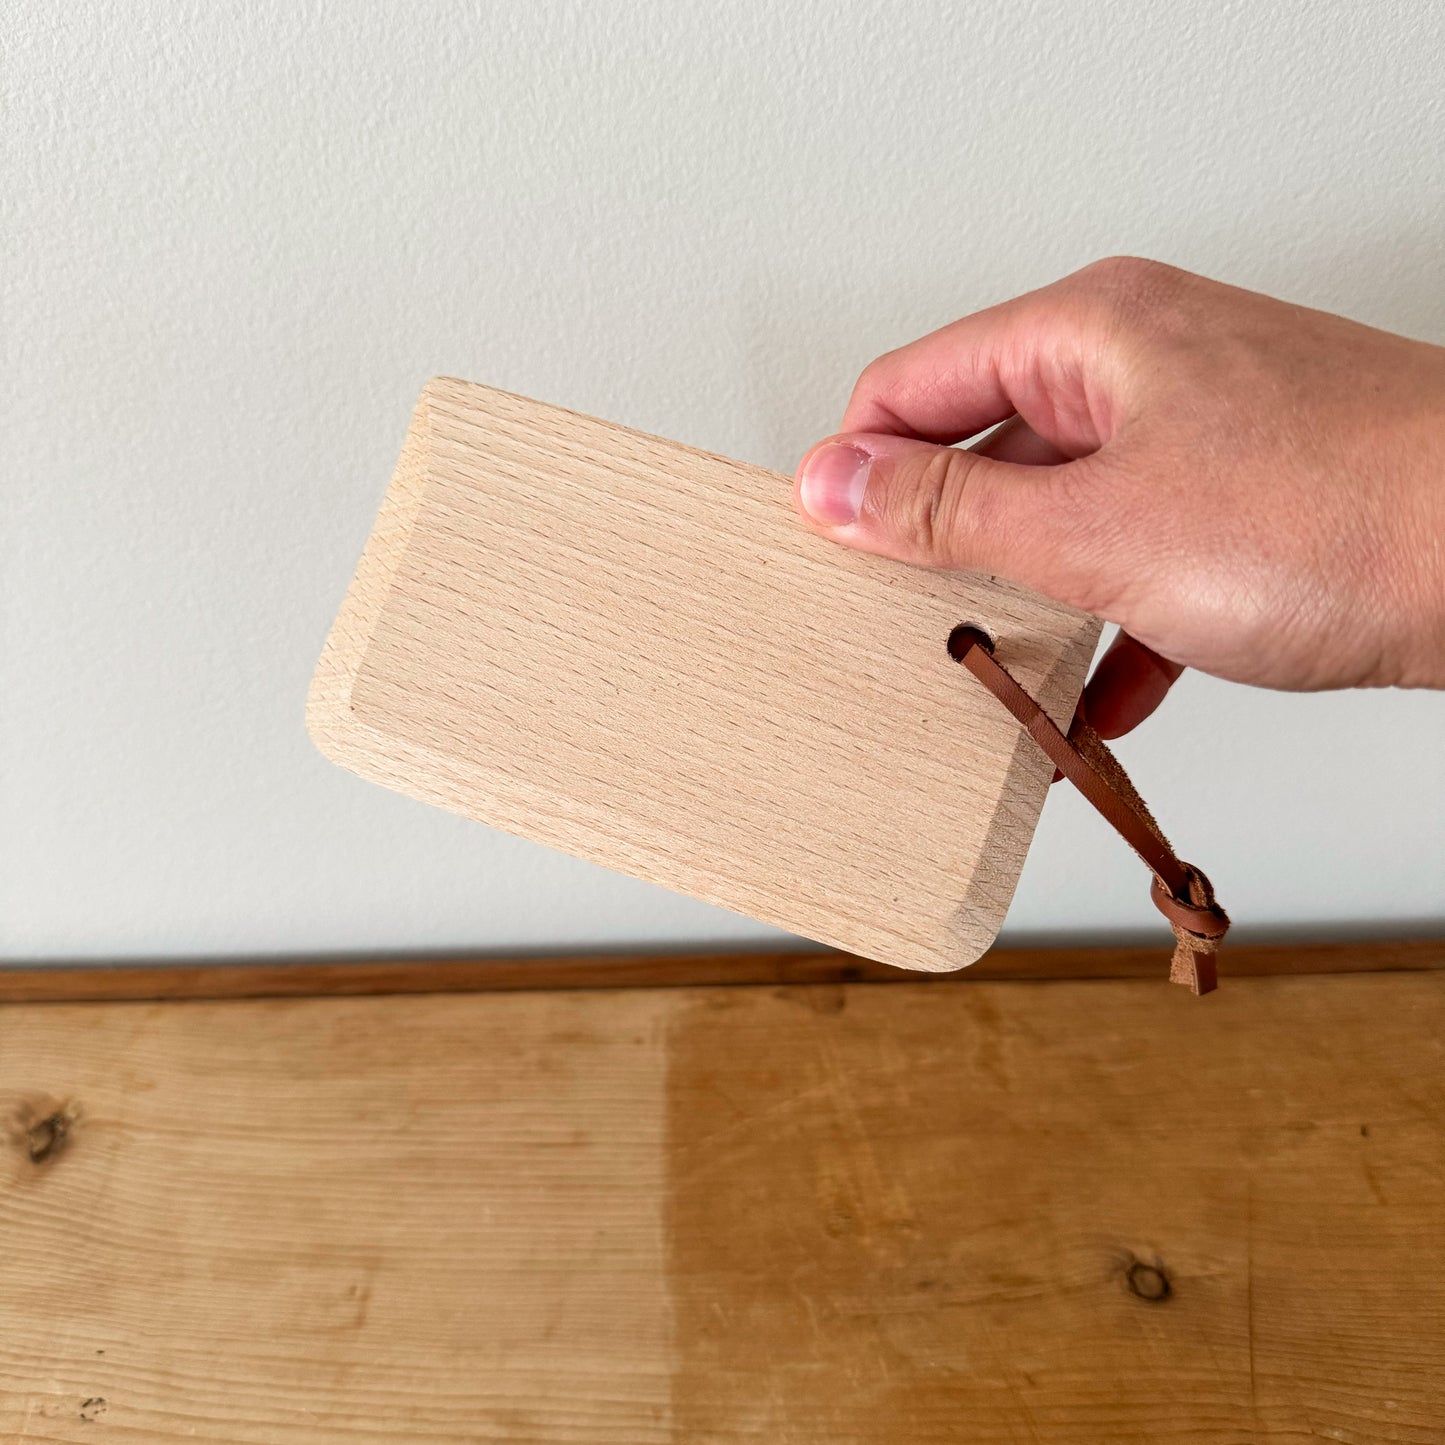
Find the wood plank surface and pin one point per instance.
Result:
(1068, 1213)
(302, 978)
(634, 651)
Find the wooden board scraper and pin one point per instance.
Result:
(634, 651)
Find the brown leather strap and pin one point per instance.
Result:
(1181, 892)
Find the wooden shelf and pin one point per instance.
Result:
(419, 975)
(1088, 1211)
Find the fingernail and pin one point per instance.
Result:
(832, 485)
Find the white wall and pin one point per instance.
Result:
(239, 237)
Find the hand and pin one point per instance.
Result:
(1246, 486)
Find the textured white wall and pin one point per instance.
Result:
(238, 238)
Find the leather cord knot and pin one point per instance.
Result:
(1199, 923)
(1180, 891)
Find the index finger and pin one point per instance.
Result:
(1034, 356)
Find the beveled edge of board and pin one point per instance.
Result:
(329, 718)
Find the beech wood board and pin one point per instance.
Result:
(1073, 1213)
(634, 651)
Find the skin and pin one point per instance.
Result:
(1245, 486)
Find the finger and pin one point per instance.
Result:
(1016, 441)
(1129, 683)
(946, 507)
(1038, 355)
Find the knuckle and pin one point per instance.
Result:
(1131, 290)
(874, 378)
(1122, 270)
(925, 511)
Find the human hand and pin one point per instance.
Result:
(1245, 486)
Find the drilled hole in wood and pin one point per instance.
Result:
(962, 635)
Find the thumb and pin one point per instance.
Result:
(938, 506)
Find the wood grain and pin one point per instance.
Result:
(1063, 1214)
(301, 978)
(633, 651)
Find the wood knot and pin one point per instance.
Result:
(40, 1126)
(46, 1137)
(1148, 1282)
